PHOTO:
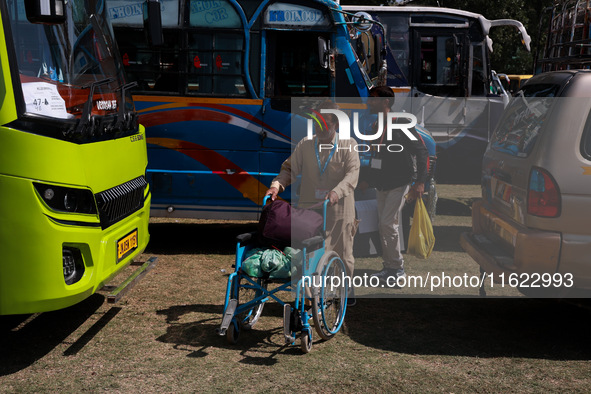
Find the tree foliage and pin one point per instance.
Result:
(509, 55)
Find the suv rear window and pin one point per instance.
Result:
(523, 119)
(539, 90)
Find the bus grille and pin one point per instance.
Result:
(121, 201)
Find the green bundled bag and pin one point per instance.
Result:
(421, 238)
(252, 263)
(276, 264)
(295, 257)
(270, 263)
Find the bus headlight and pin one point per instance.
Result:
(70, 202)
(67, 199)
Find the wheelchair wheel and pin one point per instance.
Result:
(306, 341)
(246, 293)
(232, 334)
(330, 303)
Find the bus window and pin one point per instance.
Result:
(165, 63)
(478, 81)
(254, 60)
(398, 40)
(438, 68)
(215, 64)
(296, 69)
(215, 56)
(428, 60)
(31, 51)
(155, 69)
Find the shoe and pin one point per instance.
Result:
(399, 273)
(384, 274)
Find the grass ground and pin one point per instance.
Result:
(161, 337)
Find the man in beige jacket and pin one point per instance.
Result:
(329, 169)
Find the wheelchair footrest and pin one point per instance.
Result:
(227, 319)
(287, 324)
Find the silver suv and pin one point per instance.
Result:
(531, 229)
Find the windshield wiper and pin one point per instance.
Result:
(86, 120)
(125, 119)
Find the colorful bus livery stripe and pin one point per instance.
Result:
(209, 110)
(206, 152)
(238, 178)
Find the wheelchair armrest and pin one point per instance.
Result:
(310, 242)
(246, 238)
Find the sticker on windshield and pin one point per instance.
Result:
(42, 98)
(105, 105)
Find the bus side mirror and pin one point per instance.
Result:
(362, 21)
(49, 12)
(323, 52)
(153, 23)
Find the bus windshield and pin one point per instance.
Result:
(71, 71)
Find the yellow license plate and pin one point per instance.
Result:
(126, 245)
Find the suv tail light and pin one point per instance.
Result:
(543, 197)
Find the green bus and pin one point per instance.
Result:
(74, 199)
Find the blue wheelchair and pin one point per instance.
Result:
(319, 287)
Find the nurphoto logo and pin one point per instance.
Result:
(392, 120)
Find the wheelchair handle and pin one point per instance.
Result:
(324, 214)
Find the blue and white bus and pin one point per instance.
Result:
(216, 97)
(438, 62)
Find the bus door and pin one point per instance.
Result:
(292, 68)
(439, 72)
(292, 71)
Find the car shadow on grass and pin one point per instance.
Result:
(455, 206)
(24, 339)
(483, 327)
(447, 238)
